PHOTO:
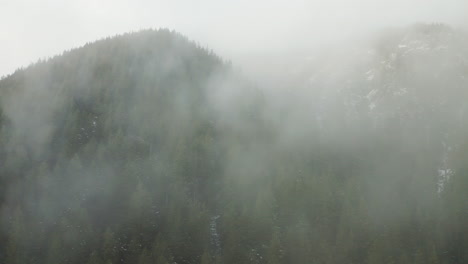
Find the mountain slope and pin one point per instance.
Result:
(109, 136)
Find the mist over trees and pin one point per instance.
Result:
(147, 148)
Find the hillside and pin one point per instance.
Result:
(105, 146)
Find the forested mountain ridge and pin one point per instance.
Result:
(145, 148)
(83, 134)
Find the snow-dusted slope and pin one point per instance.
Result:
(410, 83)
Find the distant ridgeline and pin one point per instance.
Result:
(146, 148)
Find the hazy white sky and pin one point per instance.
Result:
(33, 29)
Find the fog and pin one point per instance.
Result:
(256, 132)
(239, 30)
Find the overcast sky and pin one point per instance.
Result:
(33, 29)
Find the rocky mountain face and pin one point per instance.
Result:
(406, 83)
